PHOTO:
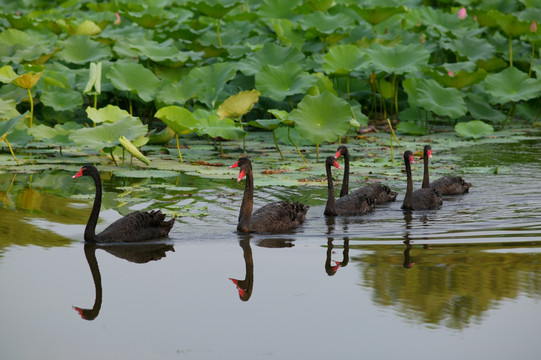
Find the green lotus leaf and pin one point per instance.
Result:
(441, 101)
(80, 49)
(133, 150)
(512, 85)
(411, 128)
(238, 105)
(474, 129)
(211, 81)
(321, 118)
(480, 108)
(62, 99)
(214, 8)
(106, 135)
(57, 135)
(400, 59)
(278, 82)
(277, 9)
(270, 54)
(88, 27)
(267, 124)
(215, 127)
(180, 119)
(134, 78)
(471, 47)
(27, 80)
(378, 14)
(7, 126)
(110, 114)
(149, 18)
(343, 59)
(460, 79)
(94, 78)
(358, 116)
(435, 18)
(325, 23)
(509, 23)
(177, 93)
(8, 109)
(158, 52)
(287, 32)
(7, 74)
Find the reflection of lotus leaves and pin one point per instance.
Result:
(29, 199)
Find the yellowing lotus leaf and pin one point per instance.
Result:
(237, 105)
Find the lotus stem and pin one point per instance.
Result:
(221, 148)
(531, 59)
(218, 32)
(60, 149)
(95, 101)
(296, 147)
(347, 85)
(31, 106)
(113, 157)
(317, 153)
(11, 150)
(276, 144)
(129, 102)
(178, 148)
(510, 51)
(509, 114)
(395, 94)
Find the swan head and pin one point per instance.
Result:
(428, 151)
(342, 150)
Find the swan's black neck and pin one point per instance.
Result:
(426, 180)
(90, 230)
(330, 206)
(90, 254)
(345, 182)
(245, 214)
(408, 199)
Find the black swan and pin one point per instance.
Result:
(379, 192)
(447, 185)
(352, 204)
(134, 227)
(420, 199)
(278, 216)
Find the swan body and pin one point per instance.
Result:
(276, 217)
(135, 227)
(421, 199)
(447, 185)
(356, 203)
(379, 192)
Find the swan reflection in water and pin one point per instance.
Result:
(136, 253)
(329, 268)
(245, 286)
(408, 264)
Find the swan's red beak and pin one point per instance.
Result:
(79, 174)
(240, 290)
(429, 152)
(79, 310)
(338, 154)
(234, 165)
(336, 164)
(411, 160)
(241, 175)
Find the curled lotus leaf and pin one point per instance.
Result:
(238, 105)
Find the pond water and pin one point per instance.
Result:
(462, 281)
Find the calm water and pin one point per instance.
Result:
(460, 282)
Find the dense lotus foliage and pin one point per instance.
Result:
(109, 75)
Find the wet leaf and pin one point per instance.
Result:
(474, 129)
(238, 105)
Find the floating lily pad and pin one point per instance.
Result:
(474, 129)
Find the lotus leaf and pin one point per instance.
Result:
(80, 49)
(474, 129)
(88, 27)
(267, 124)
(287, 33)
(460, 79)
(214, 8)
(278, 82)
(58, 136)
(512, 85)
(325, 23)
(441, 101)
(7, 126)
(400, 59)
(8, 109)
(106, 135)
(411, 128)
(62, 99)
(181, 120)
(7, 75)
(479, 108)
(149, 18)
(509, 23)
(215, 127)
(177, 93)
(94, 78)
(277, 9)
(133, 150)
(343, 59)
(134, 78)
(321, 118)
(110, 114)
(211, 81)
(238, 105)
(359, 118)
(472, 48)
(377, 14)
(270, 54)
(27, 80)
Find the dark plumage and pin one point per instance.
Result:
(276, 217)
(134, 227)
(352, 204)
(379, 192)
(447, 185)
(421, 199)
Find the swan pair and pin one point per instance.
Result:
(278, 216)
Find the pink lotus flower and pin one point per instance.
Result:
(117, 21)
(462, 14)
(450, 73)
(533, 27)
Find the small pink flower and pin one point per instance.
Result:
(18, 13)
(450, 73)
(533, 27)
(117, 21)
(462, 14)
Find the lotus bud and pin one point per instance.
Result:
(462, 14)
(533, 27)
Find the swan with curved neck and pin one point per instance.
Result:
(381, 193)
(134, 227)
(276, 217)
(352, 204)
(447, 185)
(421, 199)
